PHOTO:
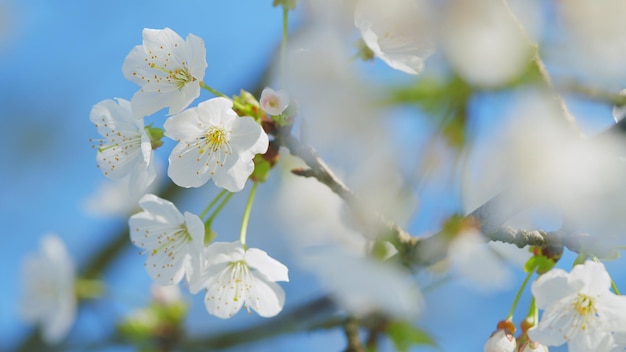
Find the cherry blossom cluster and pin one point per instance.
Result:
(579, 309)
(213, 143)
(223, 139)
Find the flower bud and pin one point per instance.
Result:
(501, 341)
(532, 346)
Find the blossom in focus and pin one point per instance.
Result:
(173, 241)
(579, 309)
(236, 277)
(396, 31)
(274, 102)
(167, 68)
(501, 341)
(49, 297)
(126, 149)
(213, 142)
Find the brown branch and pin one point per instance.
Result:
(351, 328)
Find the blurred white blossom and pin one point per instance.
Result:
(361, 285)
(397, 31)
(544, 162)
(274, 102)
(593, 38)
(114, 198)
(324, 246)
(48, 296)
(483, 43)
(473, 260)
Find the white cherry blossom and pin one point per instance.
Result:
(579, 309)
(396, 31)
(274, 102)
(48, 297)
(213, 142)
(236, 277)
(173, 241)
(168, 70)
(125, 150)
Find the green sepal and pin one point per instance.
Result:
(539, 264)
(209, 234)
(404, 335)
(363, 51)
(155, 323)
(88, 289)
(156, 135)
(262, 169)
(247, 105)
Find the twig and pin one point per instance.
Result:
(351, 328)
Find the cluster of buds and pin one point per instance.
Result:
(503, 340)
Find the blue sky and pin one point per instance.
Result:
(57, 59)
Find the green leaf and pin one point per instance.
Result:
(404, 335)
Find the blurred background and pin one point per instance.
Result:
(58, 59)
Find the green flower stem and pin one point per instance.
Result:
(283, 45)
(236, 104)
(214, 91)
(219, 208)
(519, 294)
(246, 215)
(533, 312)
(208, 207)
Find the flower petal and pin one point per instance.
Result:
(594, 276)
(551, 287)
(234, 174)
(196, 52)
(265, 297)
(165, 211)
(270, 268)
(224, 298)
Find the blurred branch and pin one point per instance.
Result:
(320, 171)
(592, 93)
(351, 328)
(540, 65)
(305, 317)
(489, 218)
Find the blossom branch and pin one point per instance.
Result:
(489, 218)
(319, 170)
